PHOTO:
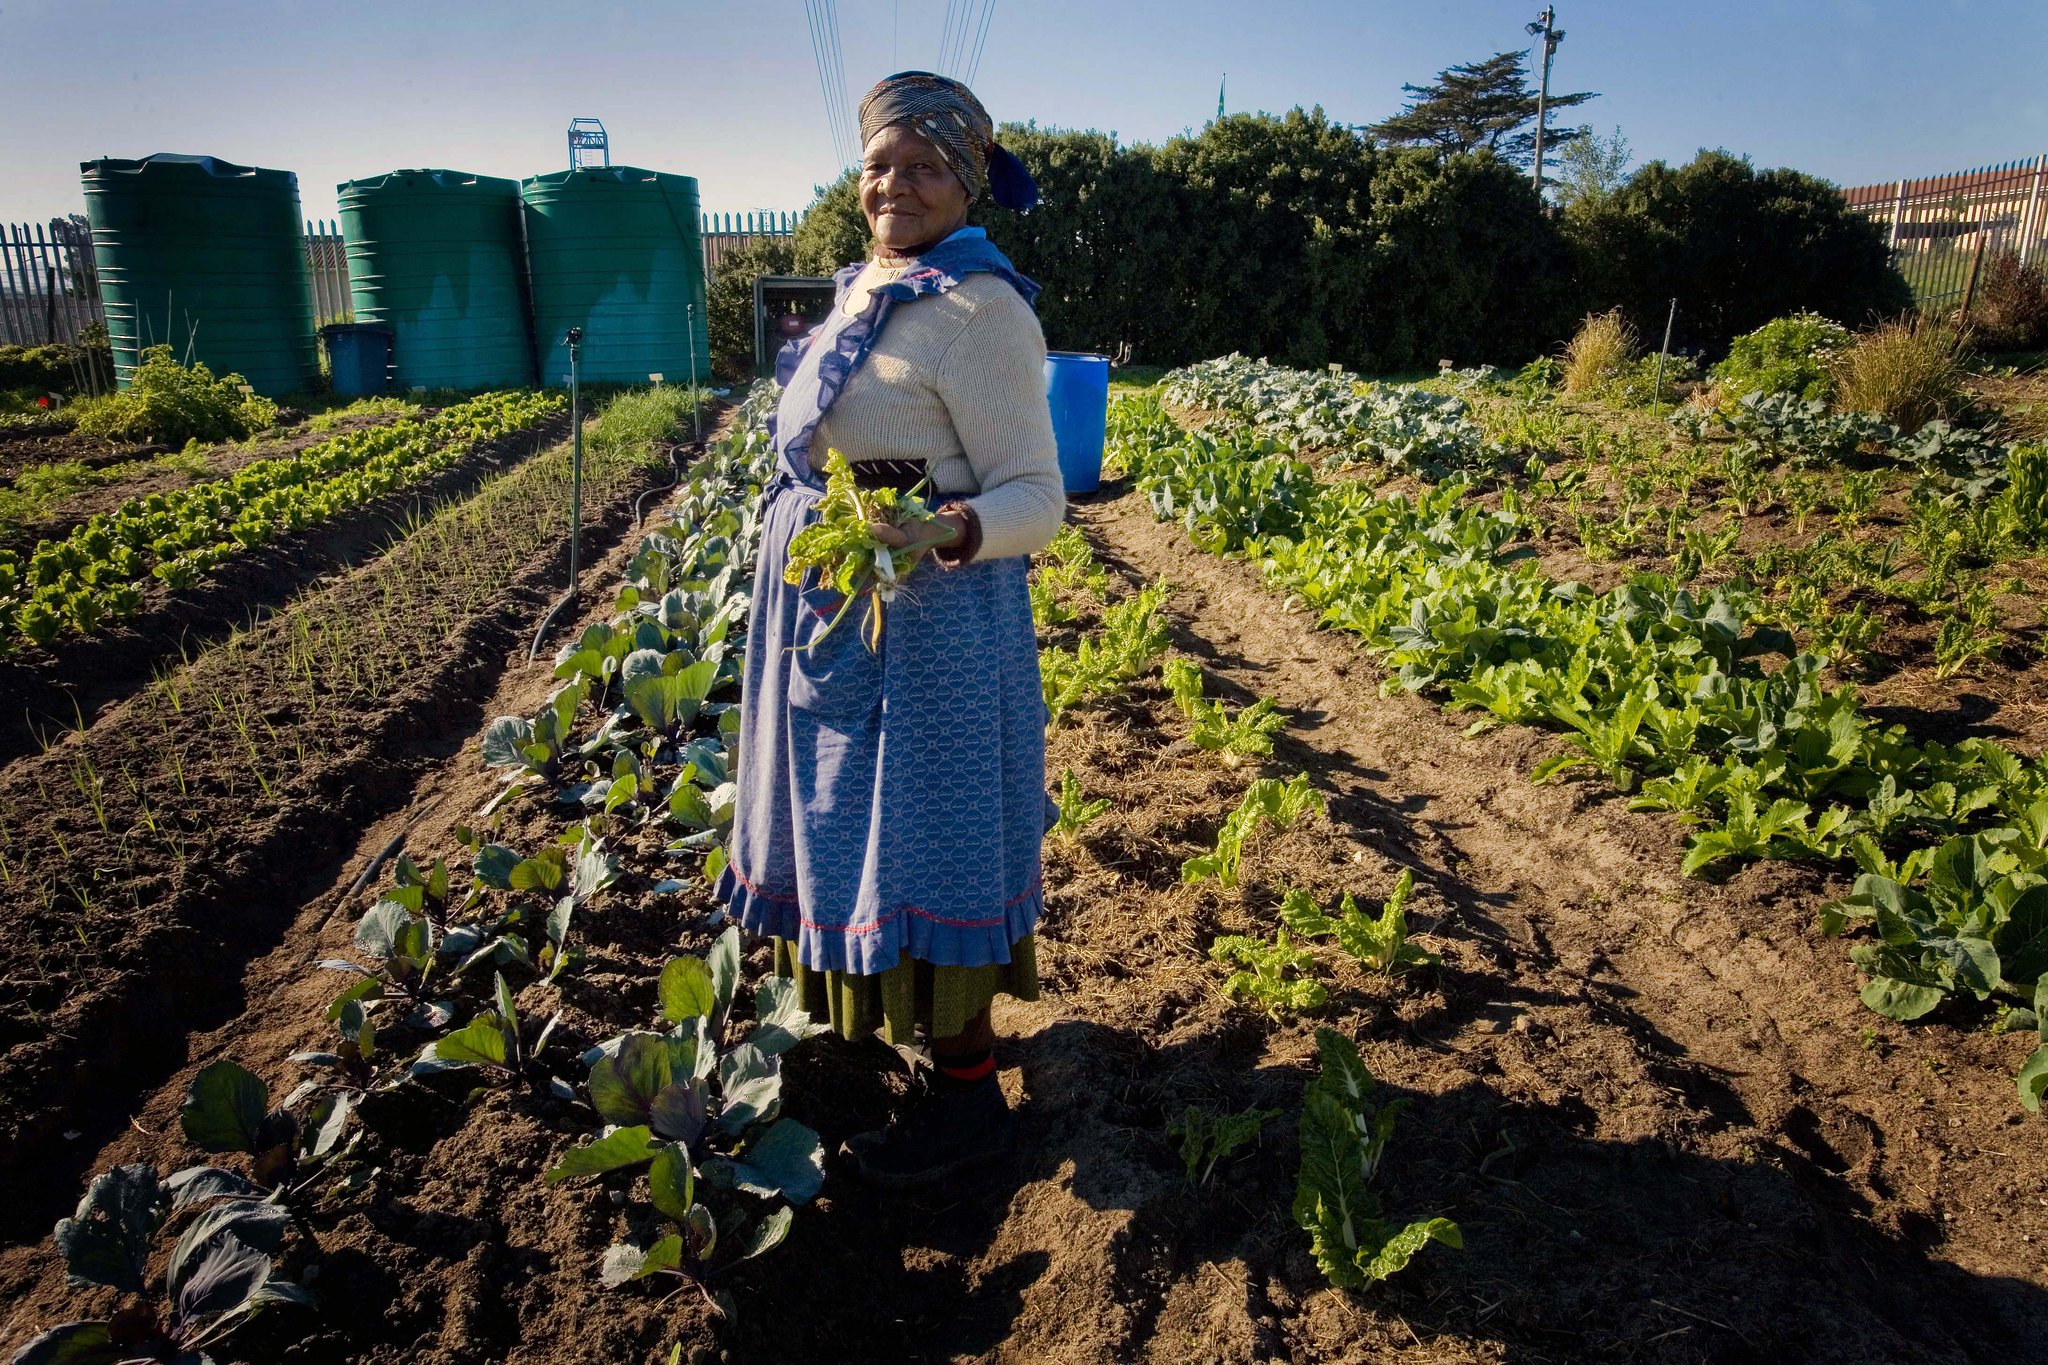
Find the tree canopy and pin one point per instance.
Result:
(1480, 106)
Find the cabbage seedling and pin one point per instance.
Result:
(217, 1276)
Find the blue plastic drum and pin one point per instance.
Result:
(359, 354)
(1077, 388)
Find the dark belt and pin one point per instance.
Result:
(901, 475)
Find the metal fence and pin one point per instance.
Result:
(725, 233)
(48, 287)
(1942, 229)
(327, 263)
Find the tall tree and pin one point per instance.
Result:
(1481, 105)
(1589, 166)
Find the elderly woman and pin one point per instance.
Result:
(892, 798)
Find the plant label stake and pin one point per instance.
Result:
(1657, 390)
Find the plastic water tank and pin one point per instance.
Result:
(617, 251)
(1077, 389)
(208, 257)
(436, 257)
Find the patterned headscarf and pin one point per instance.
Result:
(947, 114)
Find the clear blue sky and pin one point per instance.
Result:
(1854, 90)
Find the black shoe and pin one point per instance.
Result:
(950, 1127)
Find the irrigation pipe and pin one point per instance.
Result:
(574, 338)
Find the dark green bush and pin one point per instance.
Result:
(1735, 246)
(1286, 236)
(169, 403)
(49, 369)
(729, 303)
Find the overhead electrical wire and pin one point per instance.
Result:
(988, 10)
(946, 35)
(824, 24)
(840, 99)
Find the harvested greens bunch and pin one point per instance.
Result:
(844, 551)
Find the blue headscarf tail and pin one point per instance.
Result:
(1009, 183)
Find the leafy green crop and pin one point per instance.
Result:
(218, 1274)
(702, 1113)
(94, 574)
(1266, 800)
(1132, 637)
(1380, 941)
(1274, 976)
(1344, 1133)
(1076, 812)
(171, 404)
(840, 549)
(1206, 1138)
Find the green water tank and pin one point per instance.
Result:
(436, 257)
(207, 256)
(617, 251)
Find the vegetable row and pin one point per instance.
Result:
(1665, 694)
(96, 573)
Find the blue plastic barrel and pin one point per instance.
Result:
(1077, 388)
(359, 355)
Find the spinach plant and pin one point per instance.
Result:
(1207, 1138)
(1380, 941)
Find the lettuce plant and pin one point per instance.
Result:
(1344, 1133)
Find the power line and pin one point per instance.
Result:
(818, 59)
(844, 104)
(959, 43)
(946, 34)
(974, 67)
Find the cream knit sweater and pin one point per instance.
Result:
(957, 380)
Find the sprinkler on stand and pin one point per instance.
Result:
(574, 338)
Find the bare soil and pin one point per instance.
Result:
(46, 691)
(1667, 1127)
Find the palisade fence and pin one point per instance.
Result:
(49, 289)
(728, 232)
(1943, 229)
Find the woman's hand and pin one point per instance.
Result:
(947, 529)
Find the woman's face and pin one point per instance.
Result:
(909, 194)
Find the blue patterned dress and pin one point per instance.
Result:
(891, 803)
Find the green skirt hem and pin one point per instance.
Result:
(911, 993)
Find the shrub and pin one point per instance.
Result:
(1286, 236)
(729, 303)
(51, 369)
(1785, 355)
(1911, 371)
(2009, 311)
(1735, 246)
(1600, 353)
(169, 404)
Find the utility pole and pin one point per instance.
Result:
(1546, 26)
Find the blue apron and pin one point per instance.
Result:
(890, 802)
